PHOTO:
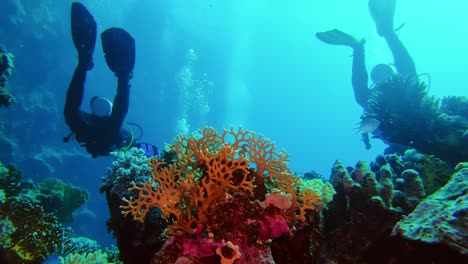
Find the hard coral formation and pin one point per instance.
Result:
(61, 198)
(443, 217)
(129, 166)
(212, 194)
(434, 172)
(10, 180)
(54, 195)
(367, 204)
(96, 257)
(34, 234)
(370, 200)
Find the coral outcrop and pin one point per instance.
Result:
(230, 197)
(30, 221)
(372, 199)
(31, 234)
(442, 218)
(61, 198)
(135, 243)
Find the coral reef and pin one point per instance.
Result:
(10, 180)
(55, 196)
(361, 213)
(61, 198)
(96, 257)
(30, 215)
(434, 172)
(33, 233)
(128, 166)
(6, 68)
(211, 196)
(135, 243)
(443, 217)
(410, 117)
(372, 199)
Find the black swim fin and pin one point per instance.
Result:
(83, 29)
(119, 50)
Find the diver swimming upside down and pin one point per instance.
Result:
(101, 131)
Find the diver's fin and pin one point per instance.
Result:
(119, 51)
(83, 29)
(337, 37)
(382, 12)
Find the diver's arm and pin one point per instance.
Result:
(74, 97)
(121, 101)
(359, 76)
(403, 61)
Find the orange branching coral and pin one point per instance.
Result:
(302, 199)
(187, 198)
(165, 197)
(310, 200)
(207, 167)
(257, 149)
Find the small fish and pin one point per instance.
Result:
(367, 125)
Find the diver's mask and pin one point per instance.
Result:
(100, 106)
(381, 72)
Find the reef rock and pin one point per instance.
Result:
(442, 218)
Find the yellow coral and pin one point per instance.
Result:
(324, 189)
(97, 257)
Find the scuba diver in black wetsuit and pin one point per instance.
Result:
(102, 130)
(382, 12)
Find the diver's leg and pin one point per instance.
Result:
(359, 72)
(83, 30)
(382, 12)
(403, 61)
(121, 101)
(119, 50)
(74, 98)
(359, 76)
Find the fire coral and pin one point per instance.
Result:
(211, 193)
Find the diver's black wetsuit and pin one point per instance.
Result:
(402, 59)
(99, 135)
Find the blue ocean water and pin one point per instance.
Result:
(255, 64)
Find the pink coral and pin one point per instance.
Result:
(273, 227)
